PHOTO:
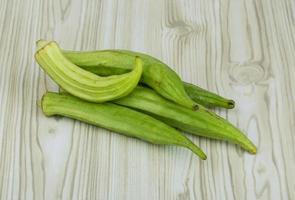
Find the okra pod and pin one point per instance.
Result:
(207, 98)
(84, 84)
(201, 122)
(105, 63)
(116, 118)
(108, 63)
(156, 74)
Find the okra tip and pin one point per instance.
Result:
(247, 145)
(252, 150)
(197, 150)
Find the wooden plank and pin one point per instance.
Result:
(242, 49)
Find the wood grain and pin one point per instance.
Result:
(243, 49)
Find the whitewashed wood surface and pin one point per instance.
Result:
(242, 49)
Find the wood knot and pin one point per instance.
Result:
(180, 28)
(247, 73)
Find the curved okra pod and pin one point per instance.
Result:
(84, 84)
(201, 122)
(206, 98)
(112, 62)
(107, 62)
(116, 118)
(155, 74)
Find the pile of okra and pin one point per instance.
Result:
(134, 94)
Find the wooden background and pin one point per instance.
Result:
(242, 49)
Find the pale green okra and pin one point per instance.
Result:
(116, 118)
(201, 122)
(84, 84)
(156, 74)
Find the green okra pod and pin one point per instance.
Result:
(201, 122)
(116, 118)
(84, 84)
(156, 74)
(207, 98)
(113, 62)
(107, 62)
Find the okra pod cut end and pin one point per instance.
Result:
(222, 103)
(43, 104)
(41, 43)
(218, 102)
(230, 104)
(207, 98)
(196, 107)
(81, 83)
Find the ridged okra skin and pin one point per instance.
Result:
(113, 62)
(110, 62)
(201, 122)
(156, 74)
(207, 98)
(84, 84)
(116, 118)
